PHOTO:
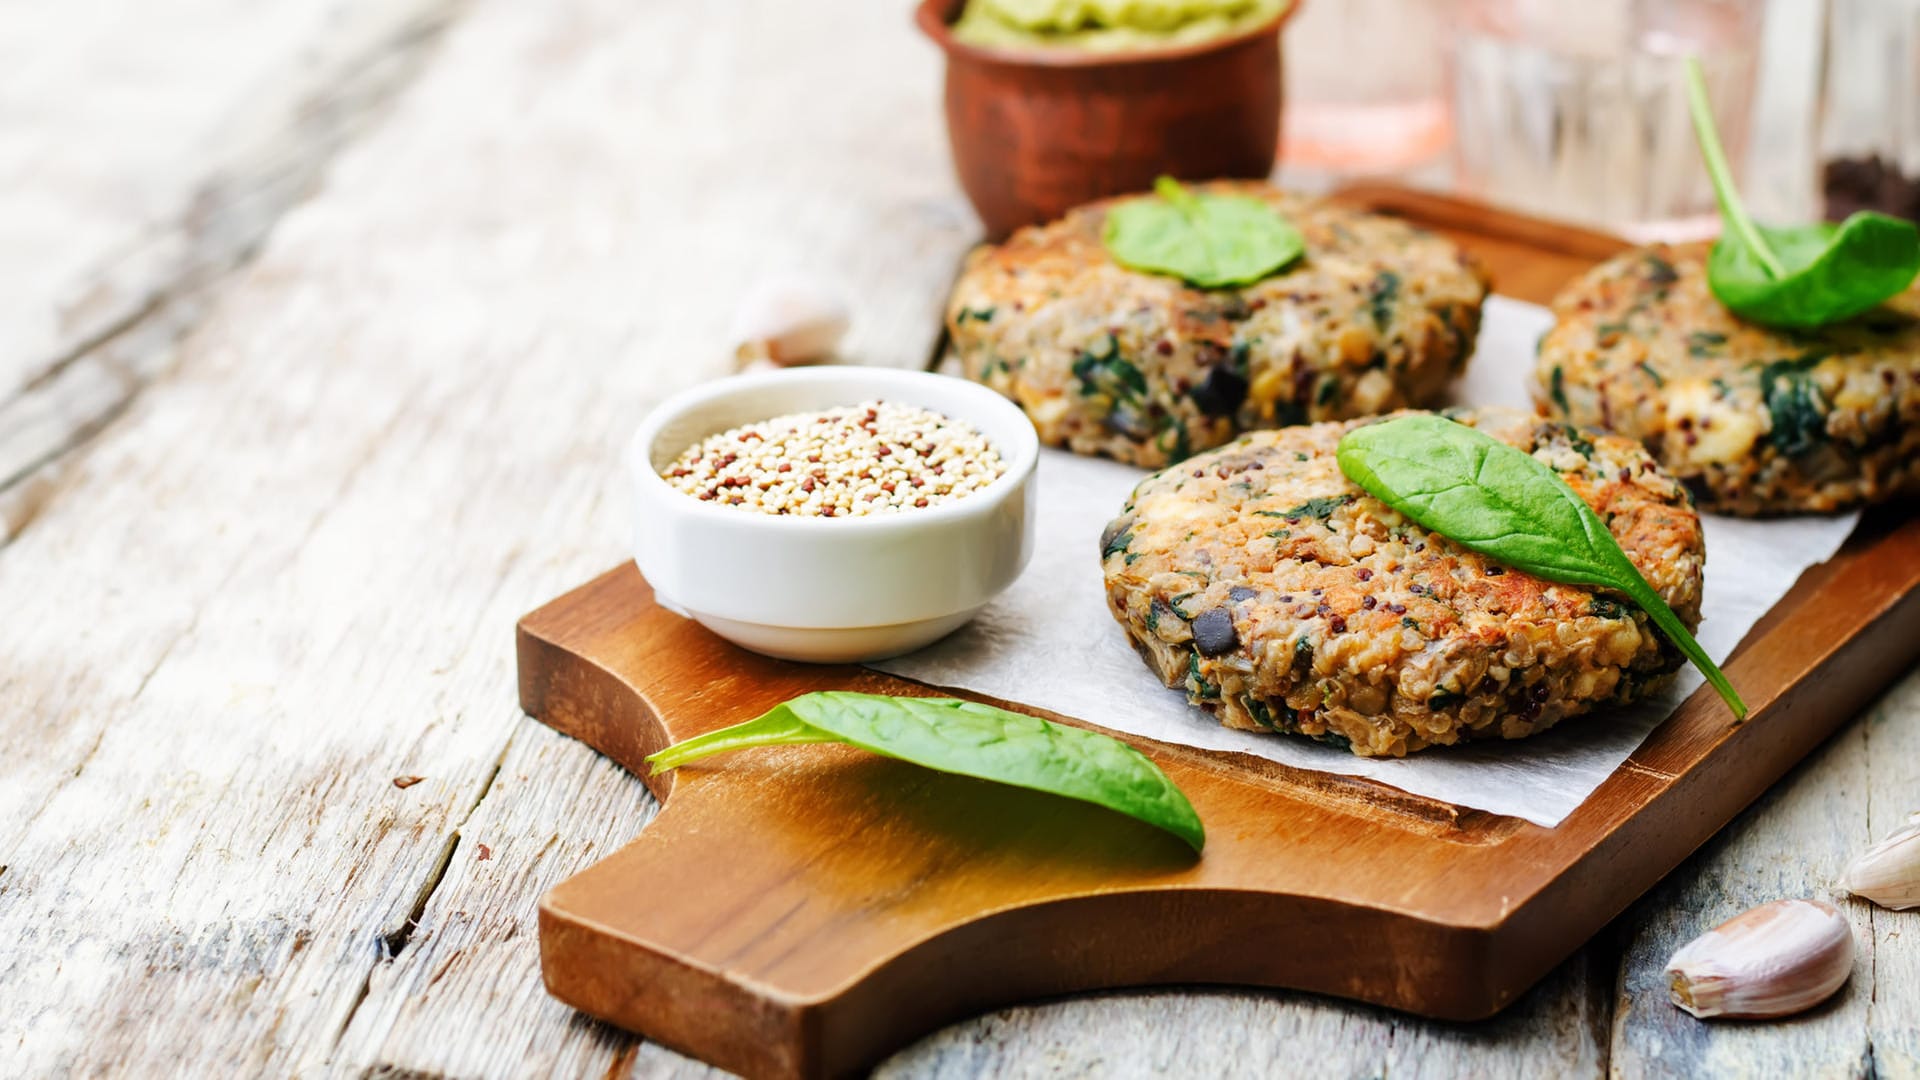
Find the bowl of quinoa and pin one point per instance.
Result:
(833, 514)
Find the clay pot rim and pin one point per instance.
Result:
(931, 15)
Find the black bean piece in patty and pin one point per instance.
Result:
(1221, 393)
(1213, 632)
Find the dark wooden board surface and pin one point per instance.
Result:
(801, 911)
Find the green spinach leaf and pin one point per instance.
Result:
(1488, 497)
(1802, 276)
(1102, 370)
(1212, 241)
(1795, 405)
(1380, 298)
(969, 739)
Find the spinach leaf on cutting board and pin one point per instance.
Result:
(1212, 241)
(1491, 498)
(969, 739)
(1801, 276)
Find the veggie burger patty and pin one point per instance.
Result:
(1145, 369)
(1284, 598)
(1756, 420)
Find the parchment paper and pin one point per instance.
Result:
(1050, 642)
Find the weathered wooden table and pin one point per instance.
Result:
(321, 323)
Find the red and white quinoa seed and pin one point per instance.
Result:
(871, 458)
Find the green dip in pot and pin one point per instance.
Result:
(1107, 25)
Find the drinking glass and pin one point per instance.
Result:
(1870, 108)
(1578, 111)
(1366, 87)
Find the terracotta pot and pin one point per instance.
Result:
(1035, 133)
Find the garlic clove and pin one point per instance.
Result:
(1774, 960)
(1888, 873)
(789, 320)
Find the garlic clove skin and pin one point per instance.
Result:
(1775, 960)
(789, 320)
(1888, 873)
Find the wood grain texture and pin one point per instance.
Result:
(158, 179)
(110, 113)
(204, 835)
(461, 994)
(1791, 844)
(1558, 1029)
(215, 653)
(1890, 749)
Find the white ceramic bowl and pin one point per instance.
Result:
(830, 590)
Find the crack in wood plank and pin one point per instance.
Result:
(394, 942)
(24, 501)
(92, 337)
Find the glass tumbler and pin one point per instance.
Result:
(1366, 88)
(1579, 111)
(1870, 108)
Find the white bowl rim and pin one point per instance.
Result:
(1020, 464)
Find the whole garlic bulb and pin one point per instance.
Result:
(1888, 873)
(789, 320)
(1774, 960)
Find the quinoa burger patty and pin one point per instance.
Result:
(1284, 598)
(1145, 369)
(1756, 420)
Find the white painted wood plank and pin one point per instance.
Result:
(464, 997)
(108, 111)
(1794, 842)
(1891, 734)
(156, 146)
(289, 572)
(1556, 1030)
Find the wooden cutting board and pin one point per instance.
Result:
(802, 911)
